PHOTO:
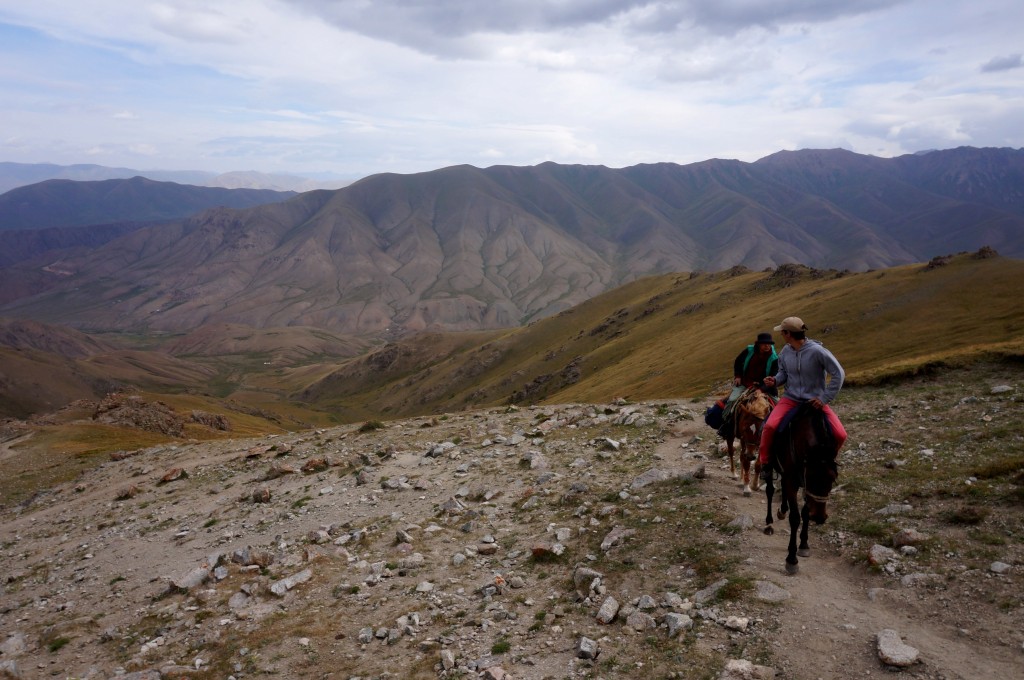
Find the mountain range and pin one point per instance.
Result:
(465, 248)
(13, 175)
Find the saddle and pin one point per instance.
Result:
(825, 450)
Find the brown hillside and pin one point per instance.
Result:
(676, 335)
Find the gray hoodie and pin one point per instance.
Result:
(803, 372)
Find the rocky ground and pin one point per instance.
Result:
(577, 541)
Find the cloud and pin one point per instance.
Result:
(198, 24)
(362, 86)
(1006, 63)
(461, 28)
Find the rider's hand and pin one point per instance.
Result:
(817, 403)
(769, 381)
(736, 381)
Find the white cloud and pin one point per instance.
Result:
(406, 85)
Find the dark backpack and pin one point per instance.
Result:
(714, 415)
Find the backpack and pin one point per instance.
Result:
(714, 415)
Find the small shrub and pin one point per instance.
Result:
(871, 529)
(501, 646)
(734, 588)
(967, 515)
(57, 643)
(371, 425)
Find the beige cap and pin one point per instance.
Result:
(791, 323)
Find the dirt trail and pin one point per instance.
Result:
(827, 628)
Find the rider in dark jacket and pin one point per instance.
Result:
(756, 362)
(750, 368)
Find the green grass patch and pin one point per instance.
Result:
(57, 643)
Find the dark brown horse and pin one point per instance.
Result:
(804, 453)
(748, 416)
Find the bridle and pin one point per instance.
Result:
(815, 497)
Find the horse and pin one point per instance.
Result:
(748, 416)
(804, 453)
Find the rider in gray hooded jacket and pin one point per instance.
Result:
(803, 367)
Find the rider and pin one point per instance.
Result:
(803, 366)
(750, 368)
(756, 362)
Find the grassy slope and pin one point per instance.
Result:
(676, 335)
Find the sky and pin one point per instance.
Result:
(349, 88)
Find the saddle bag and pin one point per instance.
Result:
(714, 415)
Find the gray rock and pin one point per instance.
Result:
(447, 659)
(583, 578)
(879, 555)
(646, 603)
(610, 607)
(908, 537)
(615, 537)
(677, 623)
(709, 593)
(192, 579)
(587, 648)
(743, 522)
(280, 588)
(1002, 389)
(9, 669)
(741, 669)
(650, 477)
(15, 645)
(893, 652)
(738, 623)
(641, 621)
(895, 509)
(999, 567)
(366, 635)
(918, 579)
(769, 592)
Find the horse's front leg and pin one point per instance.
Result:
(732, 456)
(769, 491)
(745, 464)
(792, 563)
(804, 550)
(755, 475)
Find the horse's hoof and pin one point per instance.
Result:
(768, 531)
(804, 552)
(780, 514)
(735, 476)
(747, 491)
(792, 569)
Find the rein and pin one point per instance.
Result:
(813, 497)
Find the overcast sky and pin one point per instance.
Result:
(354, 87)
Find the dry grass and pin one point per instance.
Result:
(676, 335)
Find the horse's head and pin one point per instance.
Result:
(821, 475)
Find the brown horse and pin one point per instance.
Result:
(804, 452)
(748, 416)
